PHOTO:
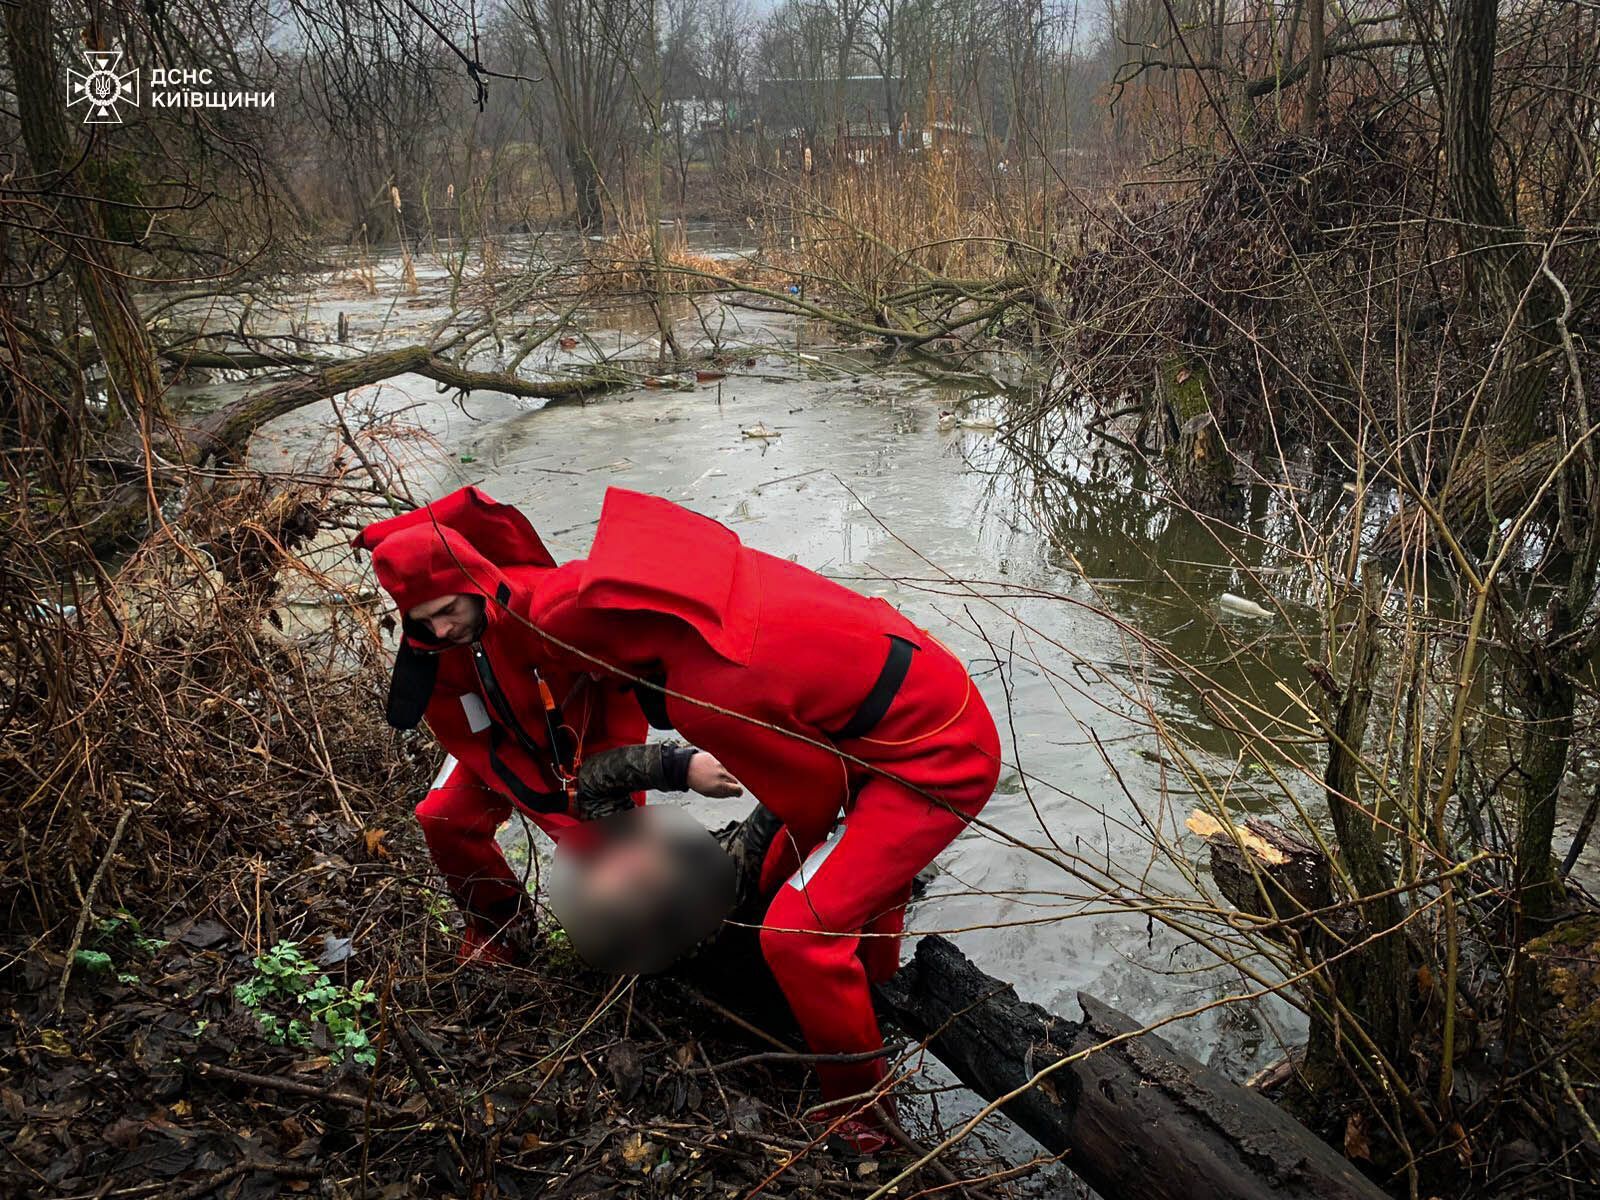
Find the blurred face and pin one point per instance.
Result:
(457, 619)
(650, 886)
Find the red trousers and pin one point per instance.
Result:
(833, 927)
(459, 816)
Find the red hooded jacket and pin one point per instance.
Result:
(518, 721)
(762, 649)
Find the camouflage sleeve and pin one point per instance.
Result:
(747, 843)
(607, 780)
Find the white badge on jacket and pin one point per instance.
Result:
(477, 714)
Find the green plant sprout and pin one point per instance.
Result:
(290, 997)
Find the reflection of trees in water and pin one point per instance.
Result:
(1159, 568)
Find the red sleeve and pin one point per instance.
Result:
(616, 718)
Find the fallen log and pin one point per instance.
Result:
(225, 434)
(1135, 1119)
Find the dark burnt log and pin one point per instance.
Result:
(1136, 1120)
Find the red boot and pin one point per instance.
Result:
(509, 946)
(860, 1137)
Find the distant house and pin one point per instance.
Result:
(849, 113)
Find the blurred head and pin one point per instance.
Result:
(638, 890)
(457, 618)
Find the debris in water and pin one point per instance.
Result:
(759, 430)
(568, 343)
(652, 382)
(1238, 604)
(709, 376)
(469, 458)
(949, 420)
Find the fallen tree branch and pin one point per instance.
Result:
(300, 1088)
(225, 434)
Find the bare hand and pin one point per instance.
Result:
(710, 778)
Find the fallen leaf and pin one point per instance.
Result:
(375, 846)
(637, 1152)
(200, 935)
(1355, 1138)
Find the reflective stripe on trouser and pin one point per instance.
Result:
(812, 931)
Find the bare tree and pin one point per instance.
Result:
(588, 49)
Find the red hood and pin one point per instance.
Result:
(463, 542)
(420, 564)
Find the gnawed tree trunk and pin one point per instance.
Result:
(132, 378)
(1199, 465)
(1135, 1119)
(1272, 874)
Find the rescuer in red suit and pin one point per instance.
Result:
(825, 703)
(519, 729)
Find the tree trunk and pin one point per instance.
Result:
(1372, 982)
(133, 380)
(1500, 261)
(1488, 487)
(1135, 1119)
(226, 433)
(585, 189)
(1545, 694)
(1316, 83)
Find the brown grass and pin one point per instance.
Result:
(624, 264)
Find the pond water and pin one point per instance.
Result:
(1072, 590)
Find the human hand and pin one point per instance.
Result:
(710, 778)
